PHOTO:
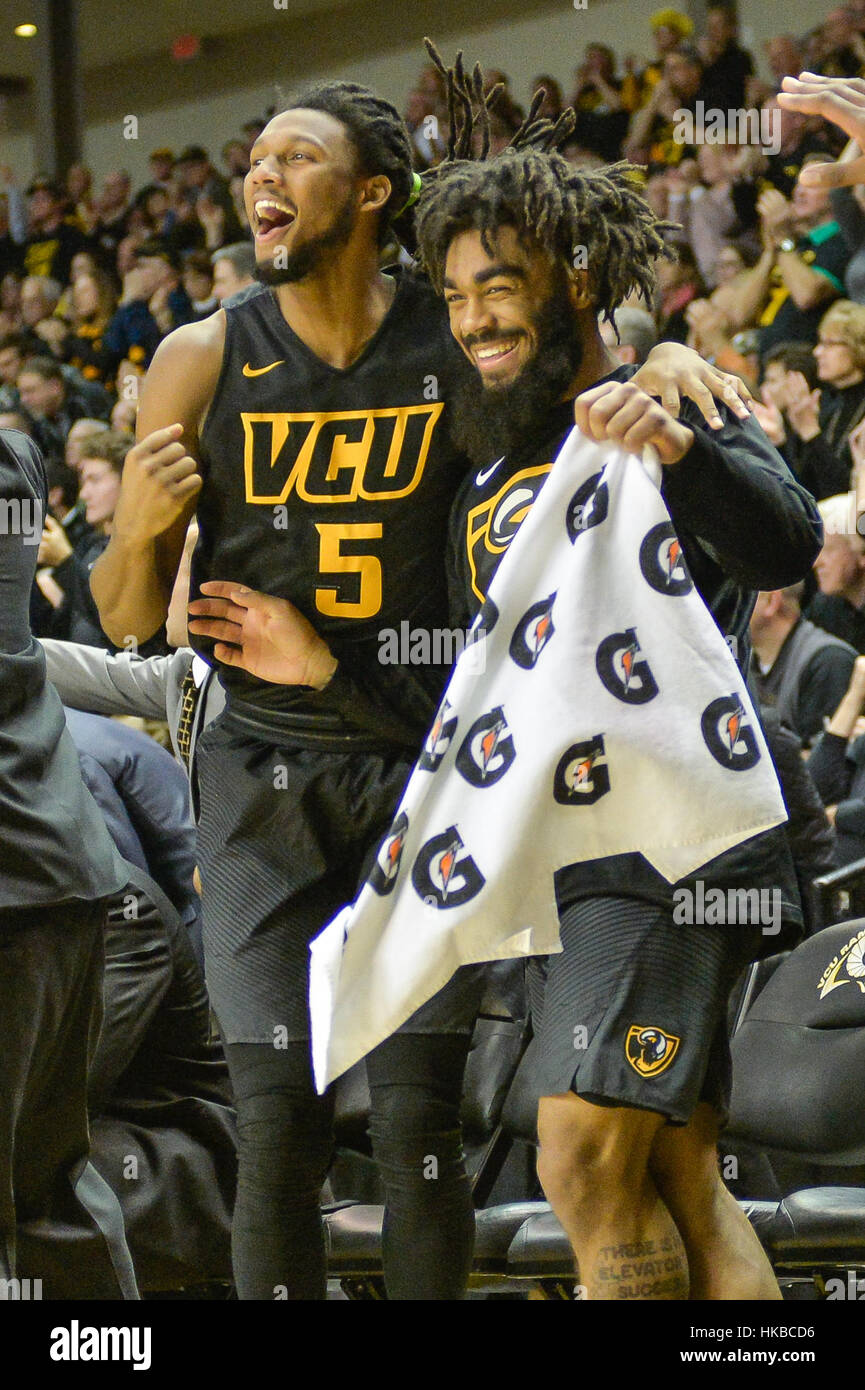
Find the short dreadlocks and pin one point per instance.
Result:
(375, 129)
(532, 188)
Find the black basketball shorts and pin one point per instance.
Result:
(634, 1010)
(286, 835)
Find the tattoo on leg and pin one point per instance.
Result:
(644, 1269)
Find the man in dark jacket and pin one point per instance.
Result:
(57, 868)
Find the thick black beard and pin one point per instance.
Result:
(309, 256)
(489, 422)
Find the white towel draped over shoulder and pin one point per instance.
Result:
(598, 711)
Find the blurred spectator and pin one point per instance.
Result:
(824, 417)
(789, 376)
(233, 269)
(153, 303)
(79, 192)
(553, 104)
(796, 138)
(842, 49)
(92, 302)
(235, 156)
(76, 439)
(800, 270)
(69, 567)
(197, 278)
(209, 193)
(784, 56)
(679, 282)
(637, 334)
(40, 296)
(799, 670)
(51, 241)
(113, 207)
(161, 163)
(64, 503)
(652, 136)
(670, 28)
(727, 66)
(837, 765)
(52, 402)
(602, 117)
(839, 607)
(808, 831)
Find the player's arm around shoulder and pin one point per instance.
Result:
(132, 579)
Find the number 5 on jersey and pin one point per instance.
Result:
(332, 560)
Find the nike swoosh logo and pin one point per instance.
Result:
(488, 472)
(259, 371)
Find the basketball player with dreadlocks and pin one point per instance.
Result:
(316, 451)
(630, 1168)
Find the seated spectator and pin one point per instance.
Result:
(112, 208)
(100, 473)
(652, 136)
(53, 403)
(161, 163)
(837, 764)
(800, 270)
(233, 269)
(637, 334)
(679, 282)
(554, 103)
(197, 278)
(64, 502)
(79, 194)
(796, 137)
(799, 670)
(76, 439)
(602, 118)
(847, 206)
(13, 350)
(824, 418)
(92, 303)
(842, 49)
(153, 303)
(808, 830)
(208, 193)
(723, 206)
(39, 299)
(839, 607)
(789, 377)
(784, 56)
(52, 240)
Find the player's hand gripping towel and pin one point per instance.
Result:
(596, 710)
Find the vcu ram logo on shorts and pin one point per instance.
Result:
(532, 633)
(622, 672)
(582, 776)
(728, 734)
(386, 867)
(443, 875)
(650, 1050)
(849, 961)
(663, 563)
(487, 750)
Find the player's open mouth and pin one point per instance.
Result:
(488, 355)
(271, 219)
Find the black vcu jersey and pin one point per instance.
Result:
(331, 487)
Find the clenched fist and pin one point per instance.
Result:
(160, 480)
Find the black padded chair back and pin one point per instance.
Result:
(799, 1055)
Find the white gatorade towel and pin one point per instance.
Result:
(595, 710)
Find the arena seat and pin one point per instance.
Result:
(799, 1089)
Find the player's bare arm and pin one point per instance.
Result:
(132, 579)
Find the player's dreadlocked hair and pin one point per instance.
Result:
(533, 188)
(376, 130)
